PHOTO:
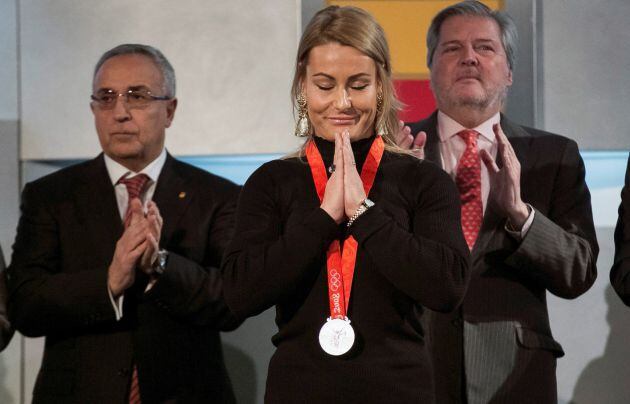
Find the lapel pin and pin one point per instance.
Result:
(182, 195)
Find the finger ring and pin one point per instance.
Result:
(331, 169)
(353, 163)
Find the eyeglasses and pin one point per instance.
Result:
(106, 99)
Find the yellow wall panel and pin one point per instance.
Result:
(406, 23)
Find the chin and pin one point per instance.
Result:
(470, 99)
(125, 152)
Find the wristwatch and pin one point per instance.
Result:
(160, 265)
(365, 205)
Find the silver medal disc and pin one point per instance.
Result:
(336, 336)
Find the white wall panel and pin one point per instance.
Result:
(586, 82)
(8, 60)
(233, 61)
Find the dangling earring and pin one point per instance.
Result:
(303, 126)
(381, 129)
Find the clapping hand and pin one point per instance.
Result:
(154, 232)
(132, 244)
(505, 182)
(405, 140)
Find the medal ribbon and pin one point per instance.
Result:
(340, 267)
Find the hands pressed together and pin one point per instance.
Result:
(137, 249)
(344, 189)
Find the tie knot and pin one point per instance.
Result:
(134, 185)
(469, 136)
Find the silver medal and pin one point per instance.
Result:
(336, 336)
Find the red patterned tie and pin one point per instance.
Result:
(468, 180)
(134, 389)
(135, 187)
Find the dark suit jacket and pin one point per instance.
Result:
(620, 272)
(58, 289)
(498, 346)
(6, 331)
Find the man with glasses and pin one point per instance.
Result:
(115, 260)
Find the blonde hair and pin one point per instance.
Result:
(352, 26)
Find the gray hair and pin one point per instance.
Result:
(157, 57)
(509, 35)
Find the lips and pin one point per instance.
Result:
(123, 133)
(468, 75)
(342, 120)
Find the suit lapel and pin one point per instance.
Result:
(172, 196)
(520, 141)
(96, 204)
(432, 147)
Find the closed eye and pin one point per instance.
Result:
(449, 49)
(484, 48)
(359, 87)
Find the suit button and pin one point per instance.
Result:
(457, 322)
(123, 372)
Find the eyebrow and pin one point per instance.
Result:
(130, 88)
(353, 77)
(458, 42)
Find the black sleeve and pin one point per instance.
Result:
(191, 290)
(268, 260)
(6, 331)
(560, 251)
(620, 272)
(431, 262)
(42, 298)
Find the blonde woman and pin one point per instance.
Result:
(351, 238)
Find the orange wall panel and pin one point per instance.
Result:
(406, 23)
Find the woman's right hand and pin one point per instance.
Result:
(333, 202)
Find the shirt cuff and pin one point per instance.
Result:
(117, 304)
(520, 235)
(150, 284)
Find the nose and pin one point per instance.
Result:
(121, 109)
(342, 99)
(469, 56)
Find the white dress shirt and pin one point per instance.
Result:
(116, 171)
(452, 147)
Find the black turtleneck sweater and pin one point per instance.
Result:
(411, 255)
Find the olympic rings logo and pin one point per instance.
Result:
(334, 280)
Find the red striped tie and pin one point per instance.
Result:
(468, 180)
(135, 187)
(134, 389)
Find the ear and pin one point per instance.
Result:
(170, 111)
(509, 77)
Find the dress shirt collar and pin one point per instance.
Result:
(117, 170)
(448, 127)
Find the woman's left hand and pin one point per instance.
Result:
(353, 193)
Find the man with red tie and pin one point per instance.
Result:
(116, 259)
(526, 216)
